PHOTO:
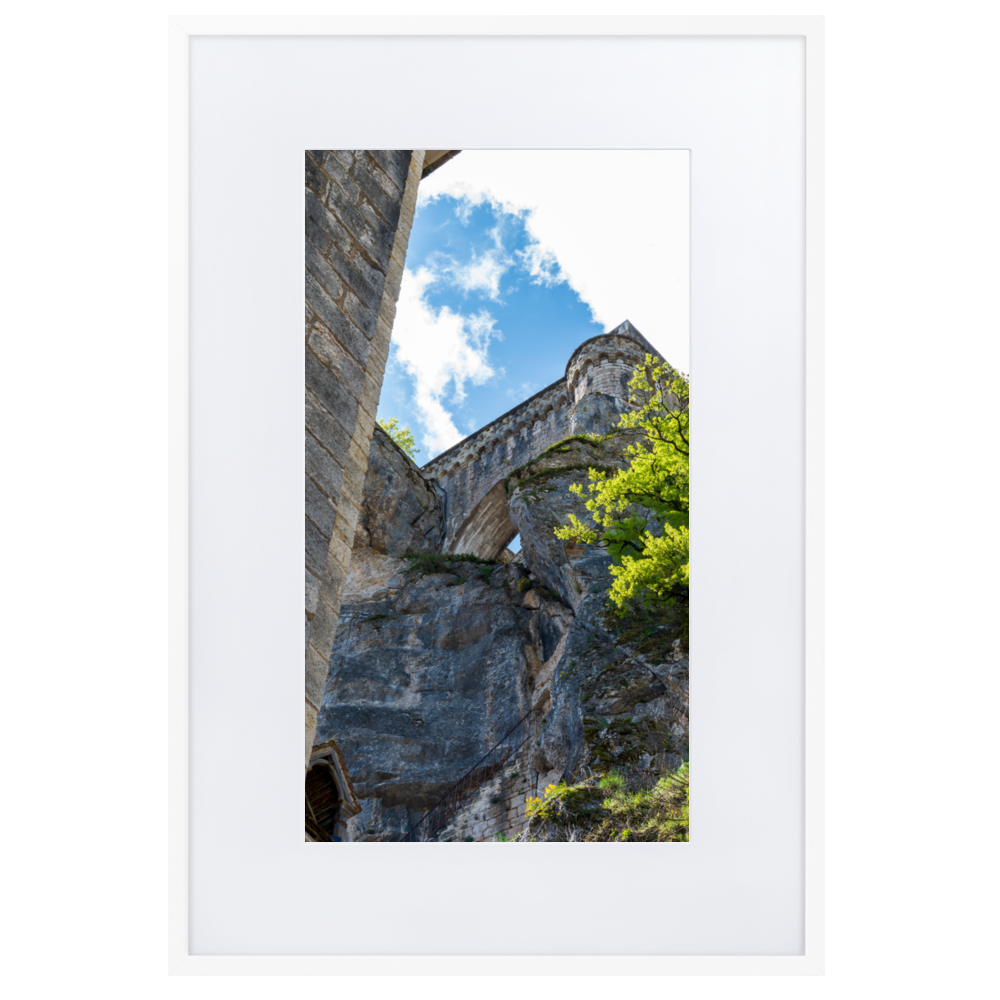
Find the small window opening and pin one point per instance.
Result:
(322, 803)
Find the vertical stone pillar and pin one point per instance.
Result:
(359, 210)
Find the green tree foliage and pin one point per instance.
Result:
(641, 512)
(401, 435)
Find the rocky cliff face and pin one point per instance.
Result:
(436, 658)
(402, 510)
(618, 694)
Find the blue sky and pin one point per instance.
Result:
(520, 322)
(509, 269)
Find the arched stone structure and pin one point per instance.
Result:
(487, 531)
(594, 389)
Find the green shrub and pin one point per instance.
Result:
(403, 436)
(607, 809)
(428, 563)
(641, 512)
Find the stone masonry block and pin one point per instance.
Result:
(345, 526)
(312, 593)
(347, 370)
(338, 323)
(371, 393)
(312, 716)
(393, 283)
(352, 493)
(325, 427)
(365, 423)
(326, 233)
(376, 235)
(378, 357)
(396, 263)
(324, 626)
(317, 545)
(388, 310)
(317, 670)
(323, 471)
(373, 275)
(386, 206)
(320, 509)
(343, 253)
(332, 582)
(383, 230)
(337, 400)
(405, 225)
(338, 163)
(326, 277)
(342, 539)
(377, 168)
(316, 181)
(397, 260)
(356, 465)
(383, 333)
(413, 175)
(395, 163)
(362, 316)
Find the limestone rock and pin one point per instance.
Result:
(424, 679)
(431, 667)
(402, 510)
(538, 500)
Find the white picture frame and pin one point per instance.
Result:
(724, 904)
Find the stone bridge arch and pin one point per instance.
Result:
(487, 531)
(587, 398)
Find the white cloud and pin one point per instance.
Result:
(612, 223)
(541, 263)
(481, 274)
(441, 351)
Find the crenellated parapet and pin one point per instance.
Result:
(526, 421)
(604, 364)
(472, 472)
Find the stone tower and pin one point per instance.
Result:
(589, 398)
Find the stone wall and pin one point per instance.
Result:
(499, 806)
(472, 468)
(359, 207)
(587, 398)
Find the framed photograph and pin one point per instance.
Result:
(540, 365)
